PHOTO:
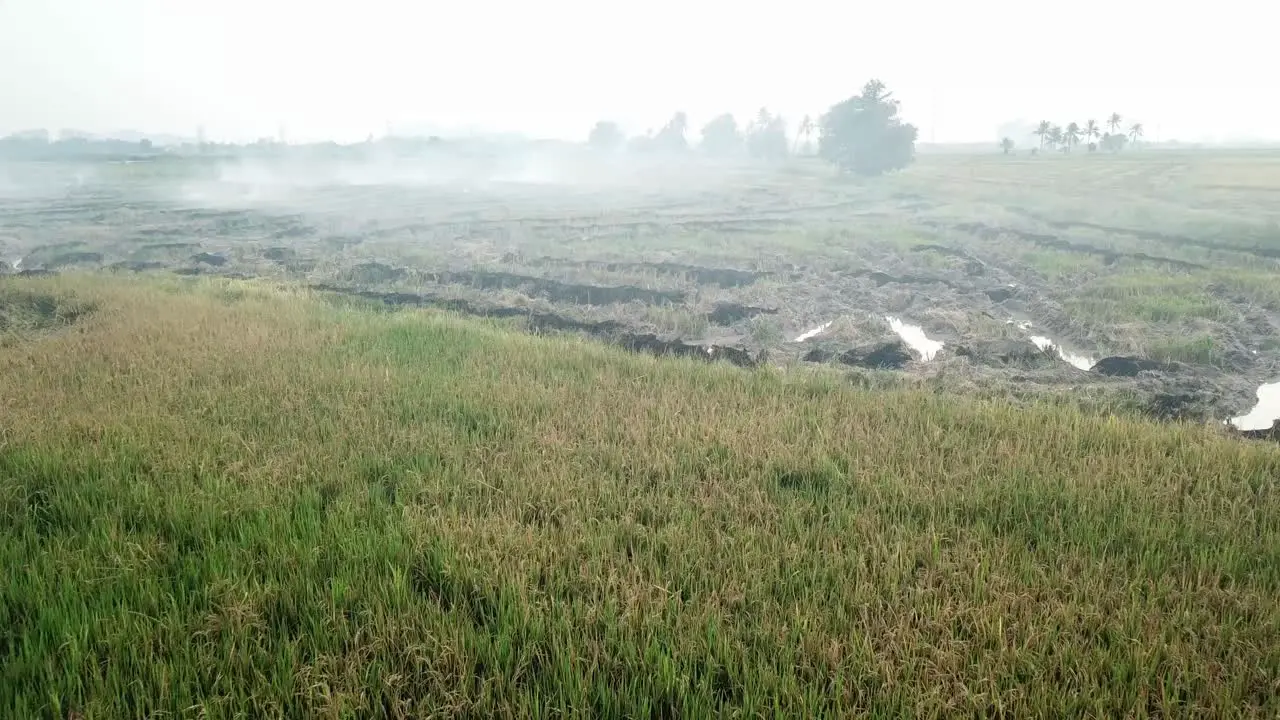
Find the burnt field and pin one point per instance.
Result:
(278, 443)
(1149, 278)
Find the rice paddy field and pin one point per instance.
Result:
(405, 448)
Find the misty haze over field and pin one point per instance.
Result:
(245, 69)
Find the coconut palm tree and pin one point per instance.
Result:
(1135, 132)
(1113, 122)
(874, 92)
(1007, 145)
(1055, 136)
(804, 130)
(1091, 131)
(1071, 136)
(1043, 131)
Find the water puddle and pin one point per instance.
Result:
(1083, 362)
(812, 333)
(1264, 414)
(913, 335)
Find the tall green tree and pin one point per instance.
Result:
(767, 137)
(721, 137)
(606, 136)
(671, 137)
(864, 134)
(1135, 132)
(1113, 122)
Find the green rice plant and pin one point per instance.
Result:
(279, 507)
(765, 330)
(1197, 349)
(676, 320)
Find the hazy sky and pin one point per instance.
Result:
(343, 70)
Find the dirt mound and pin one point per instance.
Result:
(556, 291)
(723, 277)
(373, 273)
(972, 265)
(1016, 353)
(1000, 294)
(990, 232)
(137, 265)
(883, 278)
(1197, 394)
(1181, 402)
(293, 230)
(279, 254)
(1128, 366)
(341, 242)
(73, 258)
(650, 343)
(819, 355)
(167, 246)
(1255, 250)
(941, 250)
(606, 330)
(727, 313)
(890, 355)
(206, 272)
(209, 259)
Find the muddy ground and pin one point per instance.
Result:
(987, 255)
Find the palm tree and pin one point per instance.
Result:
(1055, 136)
(805, 129)
(1071, 136)
(1007, 145)
(1091, 131)
(1043, 131)
(1113, 122)
(1135, 132)
(874, 92)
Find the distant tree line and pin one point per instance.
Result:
(862, 134)
(1056, 137)
(36, 145)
